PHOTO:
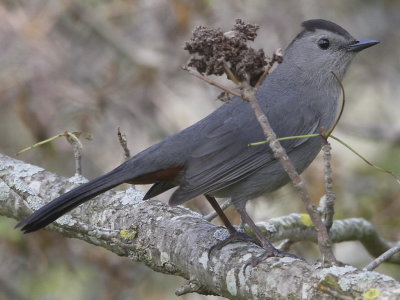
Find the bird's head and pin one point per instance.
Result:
(324, 47)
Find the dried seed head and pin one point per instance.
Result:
(213, 52)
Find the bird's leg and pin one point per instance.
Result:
(270, 250)
(234, 235)
(220, 213)
(237, 236)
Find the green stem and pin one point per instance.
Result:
(287, 138)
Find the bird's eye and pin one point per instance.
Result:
(323, 44)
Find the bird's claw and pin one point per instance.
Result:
(234, 237)
(270, 252)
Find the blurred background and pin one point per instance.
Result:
(98, 65)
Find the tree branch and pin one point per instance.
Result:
(175, 240)
(298, 227)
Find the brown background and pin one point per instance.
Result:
(97, 65)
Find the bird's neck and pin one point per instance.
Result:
(320, 92)
(320, 78)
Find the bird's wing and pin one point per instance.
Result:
(224, 156)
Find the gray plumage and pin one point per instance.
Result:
(299, 97)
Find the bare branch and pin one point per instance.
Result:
(211, 82)
(328, 201)
(77, 149)
(124, 144)
(297, 228)
(382, 258)
(214, 214)
(277, 57)
(324, 242)
(174, 240)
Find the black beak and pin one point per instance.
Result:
(359, 45)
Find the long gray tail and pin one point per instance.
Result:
(66, 202)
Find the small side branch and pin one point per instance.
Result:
(214, 214)
(212, 82)
(77, 149)
(324, 241)
(277, 57)
(73, 139)
(124, 144)
(328, 203)
(297, 228)
(382, 258)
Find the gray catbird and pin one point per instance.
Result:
(212, 157)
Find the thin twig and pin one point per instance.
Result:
(77, 148)
(330, 196)
(214, 214)
(297, 228)
(276, 57)
(306, 136)
(230, 74)
(382, 258)
(40, 143)
(124, 144)
(211, 82)
(324, 241)
(394, 175)
(73, 139)
(77, 134)
(341, 108)
(326, 135)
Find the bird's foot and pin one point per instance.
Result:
(269, 252)
(234, 237)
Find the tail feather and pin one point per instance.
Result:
(68, 201)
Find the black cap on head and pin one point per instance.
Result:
(312, 25)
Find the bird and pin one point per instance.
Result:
(213, 158)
